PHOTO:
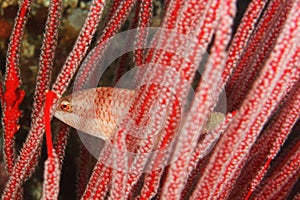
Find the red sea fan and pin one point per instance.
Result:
(171, 143)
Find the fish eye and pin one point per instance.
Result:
(65, 106)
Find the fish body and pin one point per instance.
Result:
(97, 111)
(94, 111)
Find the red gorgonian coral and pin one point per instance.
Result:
(254, 153)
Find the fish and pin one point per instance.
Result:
(97, 111)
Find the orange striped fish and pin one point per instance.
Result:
(96, 111)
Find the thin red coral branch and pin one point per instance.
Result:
(51, 178)
(283, 178)
(152, 179)
(144, 19)
(268, 145)
(242, 36)
(13, 95)
(216, 174)
(50, 98)
(45, 67)
(113, 26)
(52, 164)
(210, 138)
(103, 179)
(276, 95)
(43, 78)
(258, 50)
(120, 165)
(83, 172)
(47, 56)
(33, 140)
(287, 117)
(187, 141)
(200, 154)
(60, 142)
(80, 48)
(98, 183)
(173, 9)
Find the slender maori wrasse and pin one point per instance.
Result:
(97, 111)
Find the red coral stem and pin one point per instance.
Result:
(50, 98)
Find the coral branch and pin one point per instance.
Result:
(203, 102)
(51, 178)
(272, 138)
(52, 164)
(144, 19)
(13, 95)
(83, 172)
(282, 180)
(217, 174)
(241, 38)
(258, 50)
(60, 142)
(50, 99)
(33, 141)
(80, 48)
(114, 25)
(47, 56)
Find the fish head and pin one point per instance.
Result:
(80, 111)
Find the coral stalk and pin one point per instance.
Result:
(51, 178)
(13, 95)
(216, 174)
(33, 140)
